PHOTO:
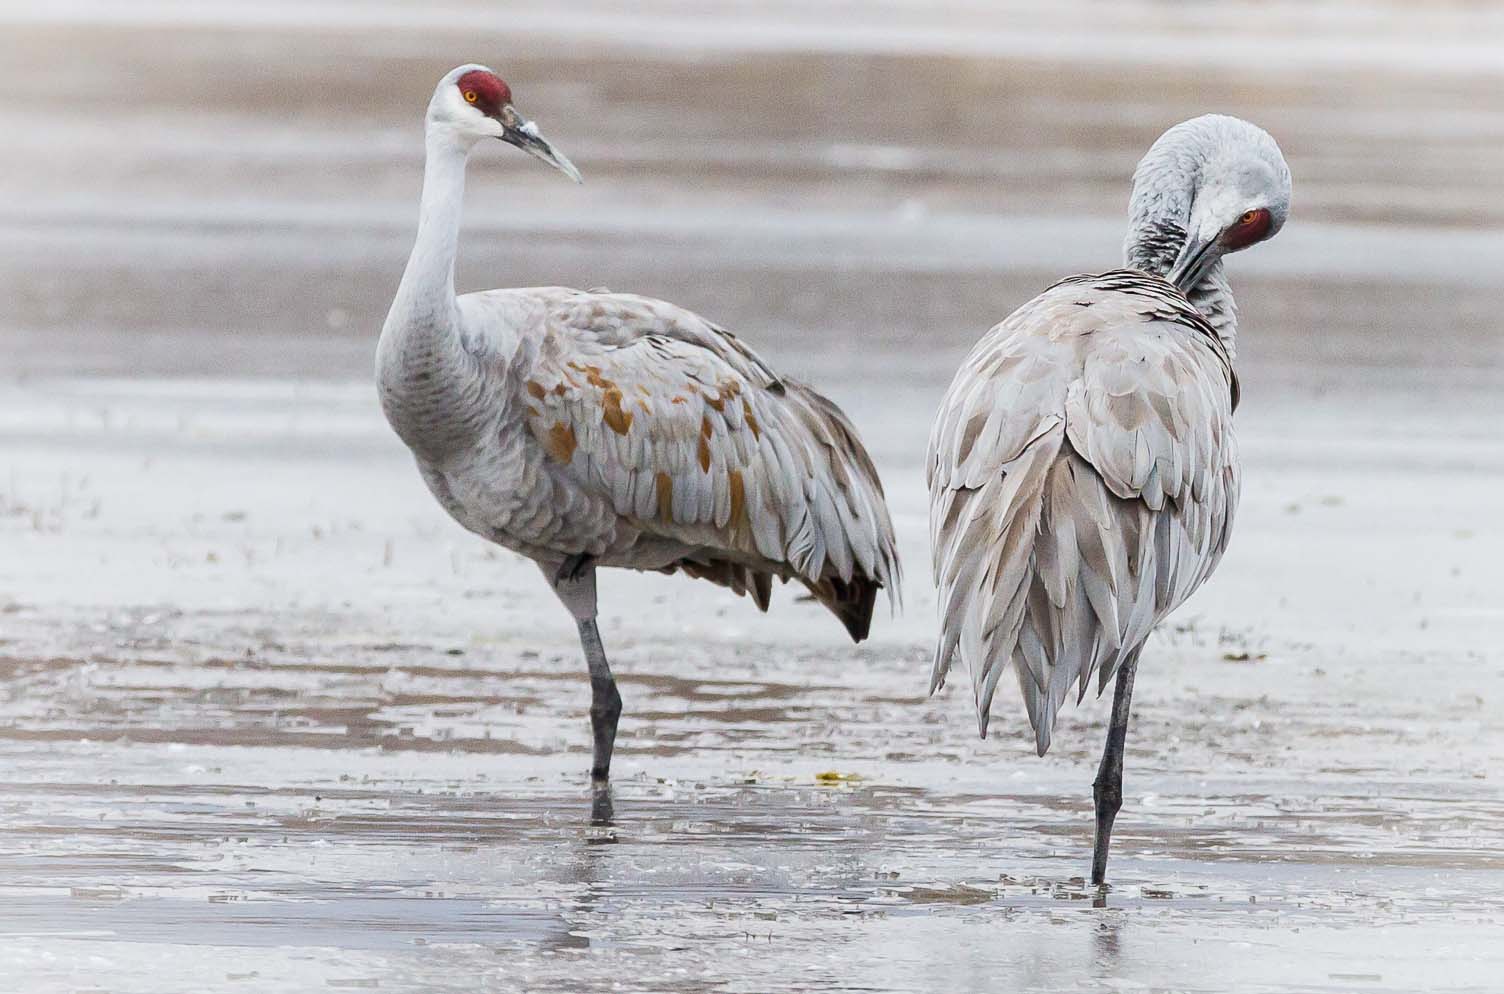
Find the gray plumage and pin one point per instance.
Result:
(635, 433)
(1083, 478)
(586, 429)
(1083, 470)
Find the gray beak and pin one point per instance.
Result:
(518, 130)
(1197, 256)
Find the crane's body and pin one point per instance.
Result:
(632, 432)
(588, 429)
(1083, 470)
(1084, 477)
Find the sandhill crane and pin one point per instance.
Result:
(604, 429)
(1082, 469)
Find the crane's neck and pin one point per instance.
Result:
(427, 287)
(1152, 248)
(1164, 189)
(424, 372)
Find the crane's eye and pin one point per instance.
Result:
(471, 96)
(1251, 226)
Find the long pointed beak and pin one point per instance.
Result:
(1196, 257)
(518, 130)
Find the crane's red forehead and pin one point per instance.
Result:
(491, 91)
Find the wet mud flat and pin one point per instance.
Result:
(268, 721)
(326, 811)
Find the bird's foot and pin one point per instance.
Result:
(573, 568)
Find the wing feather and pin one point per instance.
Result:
(699, 447)
(1082, 480)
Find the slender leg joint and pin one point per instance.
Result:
(1108, 795)
(573, 569)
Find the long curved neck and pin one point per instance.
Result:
(425, 297)
(1164, 186)
(424, 372)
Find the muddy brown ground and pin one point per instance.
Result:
(270, 722)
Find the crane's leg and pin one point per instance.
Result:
(574, 582)
(1107, 790)
(605, 701)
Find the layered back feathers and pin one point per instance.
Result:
(695, 444)
(1083, 479)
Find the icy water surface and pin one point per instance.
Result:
(269, 722)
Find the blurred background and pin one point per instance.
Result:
(191, 186)
(234, 626)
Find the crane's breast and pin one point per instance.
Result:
(506, 490)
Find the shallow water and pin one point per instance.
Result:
(268, 721)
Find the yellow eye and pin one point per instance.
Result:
(470, 96)
(1248, 217)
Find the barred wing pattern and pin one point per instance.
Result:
(698, 445)
(1083, 479)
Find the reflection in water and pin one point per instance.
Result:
(1106, 942)
(588, 872)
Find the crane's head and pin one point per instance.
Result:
(472, 102)
(1221, 181)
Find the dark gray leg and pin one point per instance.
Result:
(602, 809)
(605, 701)
(1107, 790)
(574, 581)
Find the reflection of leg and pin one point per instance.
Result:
(1107, 790)
(605, 701)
